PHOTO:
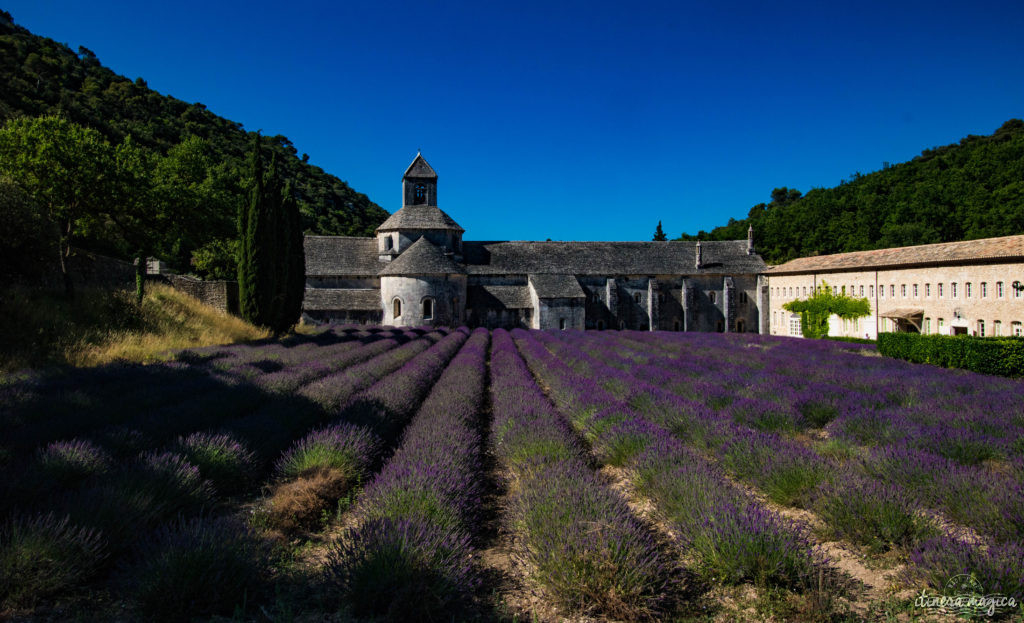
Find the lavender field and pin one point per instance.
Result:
(433, 474)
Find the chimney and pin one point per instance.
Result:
(750, 240)
(698, 261)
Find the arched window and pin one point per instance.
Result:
(397, 307)
(428, 309)
(636, 297)
(713, 296)
(741, 326)
(561, 323)
(675, 325)
(388, 243)
(622, 325)
(419, 194)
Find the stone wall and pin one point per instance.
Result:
(220, 294)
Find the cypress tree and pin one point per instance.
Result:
(659, 234)
(250, 254)
(295, 258)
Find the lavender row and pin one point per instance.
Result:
(874, 505)
(410, 554)
(987, 500)
(556, 501)
(733, 537)
(330, 462)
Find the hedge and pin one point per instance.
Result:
(1001, 356)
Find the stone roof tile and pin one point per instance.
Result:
(341, 255)
(556, 286)
(337, 299)
(487, 296)
(422, 258)
(985, 249)
(419, 217)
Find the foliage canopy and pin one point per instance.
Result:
(816, 309)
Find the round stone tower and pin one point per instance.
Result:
(423, 286)
(423, 282)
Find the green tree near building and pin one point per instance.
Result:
(659, 234)
(816, 309)
(271, 263)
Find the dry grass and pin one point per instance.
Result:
(42, 328)
(299, 505)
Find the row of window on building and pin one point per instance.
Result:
(428, 307)
(981, 329)
(914, 290)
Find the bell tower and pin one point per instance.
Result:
(419, 184)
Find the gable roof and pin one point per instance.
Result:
(609, 258)
(556, 286)
(983, 250)
(419, 168)
(341, 255)
(419, 217)
(422, 258)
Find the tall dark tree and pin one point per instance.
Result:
(251, 255)
(271, 266)
(659, 234)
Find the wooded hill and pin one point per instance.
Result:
(965, 191)
(43, 77)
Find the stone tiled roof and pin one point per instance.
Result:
(986, 249)
(510, 297)
(341, 255)
(419, 217)
(422, 258)
(419, 168)
(609, 258)
(329, 299)
(556, 286)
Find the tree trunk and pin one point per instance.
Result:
(64, 251)
(140, 278)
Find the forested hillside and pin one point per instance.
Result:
(201, 155)
(974, 189)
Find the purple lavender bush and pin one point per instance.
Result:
(221, 459)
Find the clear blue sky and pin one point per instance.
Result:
(576, 120)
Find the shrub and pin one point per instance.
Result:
(345, 447)
(45, 556)
(221, 459)
(174, 484)
(1000, 356)
(192, 568)
(998, 569)
(65, 464)
(403, 570)
(872, 514)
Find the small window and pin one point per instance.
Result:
(600, 325)
(952, 290)
(805, 290)
(892, 290)
(561, 323)
(926, 326)
(999, 289)
(967, 289)
(741, 327)
(940, 325)
(981, 328)
(881, 292)
(713, 296)
(622, 325)
(428, 309)
(1016, 328)
(636, 297)
(1018, 290)
(388, 243)
(997, 328)
(743, 298)
(871, 292)
(844, 291)
(915, 290)
(794, 325)
(939, 290)
(928, 289)
(721, 327)
(419, 194)
(862, 291)
(903, 290)
(675, 325)
(984, 290)
(396, 307)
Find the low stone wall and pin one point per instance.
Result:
(220, 294)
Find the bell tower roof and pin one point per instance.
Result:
(420, 168)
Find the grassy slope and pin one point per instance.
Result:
(41, 328)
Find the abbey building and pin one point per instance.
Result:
(418, 271)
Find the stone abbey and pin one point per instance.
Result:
(419, 271)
